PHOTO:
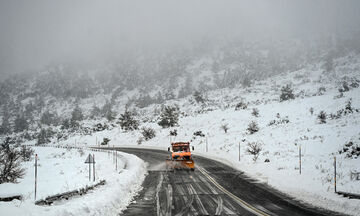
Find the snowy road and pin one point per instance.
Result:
(213, 189)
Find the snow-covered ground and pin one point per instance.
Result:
(280, 143)
(62, 170)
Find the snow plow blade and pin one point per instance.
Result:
(180, 164)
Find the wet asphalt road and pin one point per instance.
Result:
(212, 189)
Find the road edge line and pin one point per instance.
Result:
(234, 197)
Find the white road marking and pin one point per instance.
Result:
(237, 199)
(158, 188)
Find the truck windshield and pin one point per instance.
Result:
(180, 148)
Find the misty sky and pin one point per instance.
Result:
(35, 33)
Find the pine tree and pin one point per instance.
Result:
(286, 93)
(128, 121)
(199, 98)
(44, 136)
(5, 125)
(76, 116)
(48, 118)
(169, 116)
(65, 124)
(20, 124)
(159, 98)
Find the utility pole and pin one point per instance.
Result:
(90, 170)
(335, 173)
(113, 154)
(239, 151)
(36, 158)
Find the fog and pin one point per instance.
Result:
(37, 33)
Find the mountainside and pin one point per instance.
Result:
(145, 79)
(224, 106)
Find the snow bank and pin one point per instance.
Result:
(62, 170)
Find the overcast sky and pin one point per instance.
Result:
(35, 33)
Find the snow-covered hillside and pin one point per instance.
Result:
(280, 128)
(283, 128)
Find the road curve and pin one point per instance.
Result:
(212, 189)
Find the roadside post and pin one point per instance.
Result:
(239, 151)
(116, 160)
(90, 160)
(113, 154)
(300, 159)
(206, 139)
(94, 166)
(335, 173)
(36, 158)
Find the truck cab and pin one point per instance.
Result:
(180, 157)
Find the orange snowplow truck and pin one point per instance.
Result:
(180, 157)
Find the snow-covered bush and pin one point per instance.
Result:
(311, 110)
(128, 122)
(286, 93)
(254, 148)
(81, 152)
(241, 105)
(345, 111)
(344, 87)
(148, 133)
(351, 150)
(169, 116)
(322, 117)
(199, 133)
(253, 127)
(279, 120)
(255, 112)
(348, 107)
(105, 141)
(225, 127)
(355, 83)
(140, 140)
(10, 162)
(173, 132)
(100, 127)
(321, 91)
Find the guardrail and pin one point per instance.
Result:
(349, 195)
(11, 198)
(50, 199)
